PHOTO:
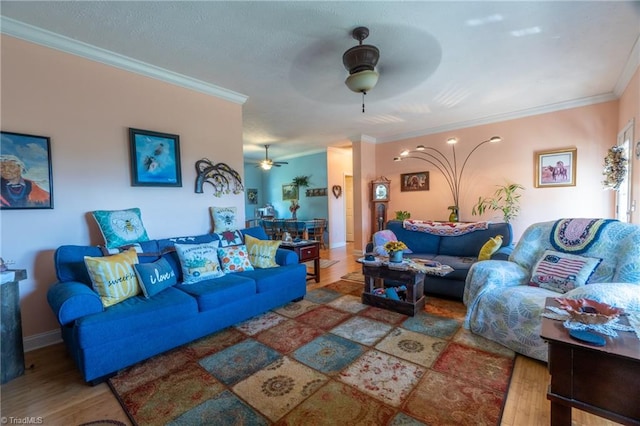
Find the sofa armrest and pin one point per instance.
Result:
(492, 274)
(286, 257)
(503, 253)
(71, 300)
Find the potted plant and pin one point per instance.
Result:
(301, 181)
(395, 250)
(402, 215)
(505, 199)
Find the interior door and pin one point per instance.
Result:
(625, 204)
(348, 200)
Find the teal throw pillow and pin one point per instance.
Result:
(155, 276)
(120, 227)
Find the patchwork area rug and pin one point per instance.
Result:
(324, 263)
(326, 360)
(354, 276)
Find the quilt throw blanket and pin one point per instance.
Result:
(576, 235)
(444, 228)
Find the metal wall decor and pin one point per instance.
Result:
(337, 191)
(223, 178)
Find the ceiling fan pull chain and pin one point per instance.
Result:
(363, 93)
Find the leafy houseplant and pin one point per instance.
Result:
(505, 199)
(301, 181)
(402, 215)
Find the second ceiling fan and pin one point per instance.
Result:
(267, 163)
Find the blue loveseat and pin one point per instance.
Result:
(459, 251)
(105, 340)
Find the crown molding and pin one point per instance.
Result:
(502, 117)
(65, 44)
(629, 69)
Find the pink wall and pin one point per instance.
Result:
(86, 108)
(630, 110)
(591, 129)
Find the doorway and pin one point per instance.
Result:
(348, 210)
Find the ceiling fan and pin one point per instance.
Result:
(267, 163)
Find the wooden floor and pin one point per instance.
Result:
(52, 388)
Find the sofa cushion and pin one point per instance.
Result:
(155, 276)
(262, 253)
(113, 277)
(562, 272)
(211, 294)
(136, 315)
(460, 265)
(224, 218)
(234, 259)
(490, 247)
(272, 279)
(199, 261)
(120, 227)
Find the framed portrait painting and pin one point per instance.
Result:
(555, 168)
(414, 181)
(289, 192)
(25, 165)
(155, 158)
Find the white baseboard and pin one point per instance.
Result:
(338, 244)
(41, 340)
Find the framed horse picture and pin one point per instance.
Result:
(555, 168)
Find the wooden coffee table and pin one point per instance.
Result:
(600, 380)
(383, 276)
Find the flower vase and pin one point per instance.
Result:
(453, 216)
(396, 256)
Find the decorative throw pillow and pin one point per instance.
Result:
(230, 238)
(224, 218)
(380, 238)
(234, 259)
(262, 253)
(199, 262)
(120, 227)
(113, 277)
(155, 276)
(490, 247)
(562, 272)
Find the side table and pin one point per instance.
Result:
(599, 380)
(306, 250)
(12, 352)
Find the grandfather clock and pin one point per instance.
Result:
(380, 190)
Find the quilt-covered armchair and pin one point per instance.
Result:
(597, 259)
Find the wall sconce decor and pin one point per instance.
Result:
(224, 179)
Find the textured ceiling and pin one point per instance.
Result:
(443, 65)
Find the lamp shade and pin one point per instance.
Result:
(363, 81)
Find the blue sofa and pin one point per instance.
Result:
(104, 340)
(460, 252)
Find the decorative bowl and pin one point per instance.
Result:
(589, 311)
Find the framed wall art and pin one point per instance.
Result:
(252, 196)
(555, 168)
(418, 181)
(155, 158)
(289, 191)
(25, 165)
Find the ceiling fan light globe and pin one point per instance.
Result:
(363, 81)
(265, 166)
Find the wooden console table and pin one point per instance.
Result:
(600, 380)
(306, 250)
(12, 357)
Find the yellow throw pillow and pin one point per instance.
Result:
(490, 247)
(113, 277)
(262, 253)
